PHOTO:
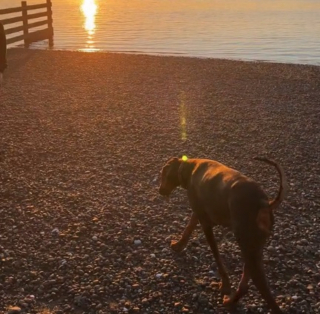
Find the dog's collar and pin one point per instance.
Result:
(182, 181)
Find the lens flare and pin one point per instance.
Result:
(183, 119)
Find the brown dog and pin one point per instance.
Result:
(219, 195)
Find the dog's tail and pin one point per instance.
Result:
(283, 190)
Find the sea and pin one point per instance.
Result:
(257, 30)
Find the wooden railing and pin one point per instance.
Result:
(25, 15)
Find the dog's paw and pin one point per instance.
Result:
(229, 301)
(225, 288)
(177, 246)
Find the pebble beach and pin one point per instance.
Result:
(83, 137)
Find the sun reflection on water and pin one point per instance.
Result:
(89, 9)
(183, 118)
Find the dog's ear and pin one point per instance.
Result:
(185, 171)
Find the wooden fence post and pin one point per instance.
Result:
(50, 22)
(25, 23)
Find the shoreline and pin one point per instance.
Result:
(140, 53)
(82, 140)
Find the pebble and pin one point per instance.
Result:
(55, 231)
(271, 248)
(14, 310)
(203, 299)
(63, 262)
(137, 242)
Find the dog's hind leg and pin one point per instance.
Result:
(253, 257)
(242, 288)
(258, 276)
(179, 246)
(225, 286)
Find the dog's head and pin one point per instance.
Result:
(170, 176)
(176, 172)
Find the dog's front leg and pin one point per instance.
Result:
(242, 288)
(179, 246)
(225, 286)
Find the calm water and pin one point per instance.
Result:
(274, 30)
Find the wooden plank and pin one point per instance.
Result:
(37, 15)
(13, 30)
(38, 35)
(15, 39)
(50, 22)
(11, 20)
(36, 24)
(25, 23)
(10, 10)
(37, 6)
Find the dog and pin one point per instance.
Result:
(220, 195)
